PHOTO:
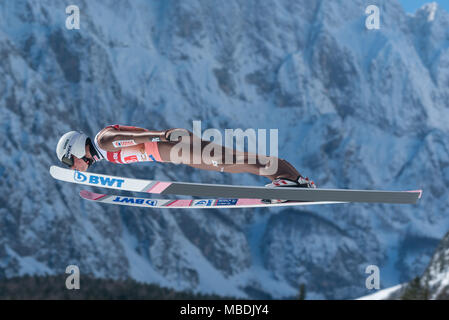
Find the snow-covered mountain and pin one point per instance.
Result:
(355, 108)
(433, 284)
(435, 280)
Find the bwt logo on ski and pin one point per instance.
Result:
(135, 200)
(93, 179)
(78, 176)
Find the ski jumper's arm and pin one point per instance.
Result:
(116, 137)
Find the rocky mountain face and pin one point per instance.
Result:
(434, 283)
(355, 108)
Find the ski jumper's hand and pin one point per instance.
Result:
(175, 134)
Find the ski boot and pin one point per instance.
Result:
(301, 182)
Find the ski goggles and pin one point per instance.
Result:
(68, 161)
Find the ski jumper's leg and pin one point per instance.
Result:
(226, 159)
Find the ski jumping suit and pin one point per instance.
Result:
(125, 151)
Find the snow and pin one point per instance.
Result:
(382, 294)
(441, 280)
(28, 265)
(211, 280)
(431, 8)
(140, 269)
(255, 232)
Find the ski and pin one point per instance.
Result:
(190, 203)
(232, 191)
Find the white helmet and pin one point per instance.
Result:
(71, 143)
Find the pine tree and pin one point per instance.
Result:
(302, 292)
(415, 291)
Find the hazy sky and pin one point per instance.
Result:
(412, 5)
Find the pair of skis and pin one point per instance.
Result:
(228, 196)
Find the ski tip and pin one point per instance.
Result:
(52, 171)
(85, 194)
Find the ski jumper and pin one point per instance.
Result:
(128, 151)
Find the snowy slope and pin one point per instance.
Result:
(384, 294)
(436, 277)
(354, 109)
(433, 284)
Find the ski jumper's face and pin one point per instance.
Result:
(80, 164)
